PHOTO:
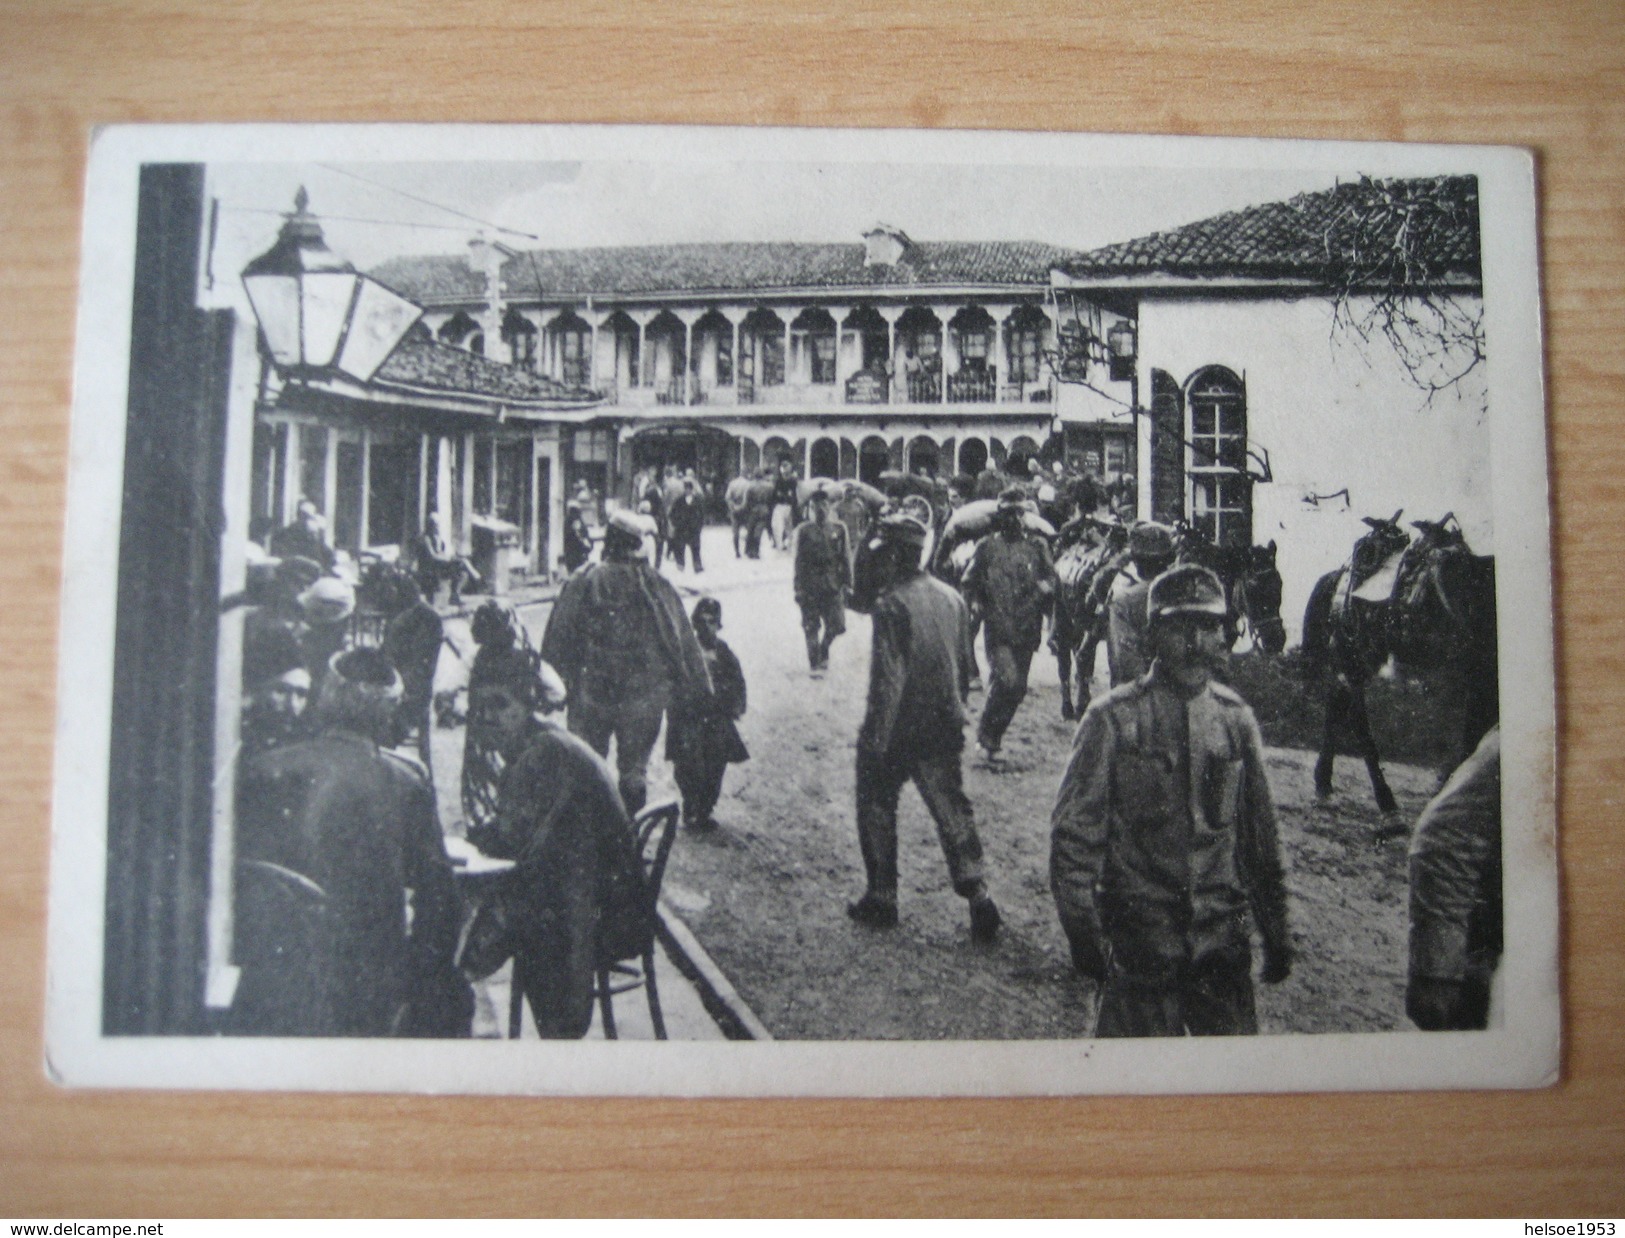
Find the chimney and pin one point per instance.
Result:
(485, 258)
(884, 245)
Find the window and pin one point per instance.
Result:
(591, 446)
(1024, 354)
(772, 360)
(574, 369)
(524, 349)
(823, 357)
(725, 361)
(973, 350)
(1116, 454)
(1216, 454)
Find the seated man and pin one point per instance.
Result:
(437, 562)
(574, 899)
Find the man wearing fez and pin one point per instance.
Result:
(913, 729)
(1010, 584)
(823, 576)
(347, 918)
(573, 901)
(1151, 553)
(1163, 847)
(626, 651)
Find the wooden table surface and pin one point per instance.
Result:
(1549, 76)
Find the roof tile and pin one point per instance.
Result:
(631, 270)
(425, 364)
(1353, 228)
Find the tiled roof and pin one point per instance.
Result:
(1353, 227)
(425, 365)
(627, 271)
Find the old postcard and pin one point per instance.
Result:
(743, 612)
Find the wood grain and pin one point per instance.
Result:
(1548, 76)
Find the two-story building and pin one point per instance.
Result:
(1303, 364)
(847, 359)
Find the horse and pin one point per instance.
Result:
(1252, 585)
(1429, 605)
(1085, 566)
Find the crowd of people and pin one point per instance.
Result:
(1165, 858)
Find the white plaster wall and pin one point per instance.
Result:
(1333, 414)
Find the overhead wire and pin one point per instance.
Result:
(439, 206)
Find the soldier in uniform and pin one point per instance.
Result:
(619, 637)
(1010, 583)
(1164, 847)
(1151, 553)
(823, 577)
(1455, 897)
(914, 728)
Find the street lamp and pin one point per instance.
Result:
(1122, 346)
(316, 311)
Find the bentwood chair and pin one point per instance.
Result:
(656, 829)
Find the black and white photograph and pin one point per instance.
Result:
(684, 611)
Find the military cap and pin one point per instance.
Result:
(1149, 540)
(1186, 590)
(708, 606)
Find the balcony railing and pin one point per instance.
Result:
(973, 387)
(866, 388)
(924, 388)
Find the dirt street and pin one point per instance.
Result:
(766, 894)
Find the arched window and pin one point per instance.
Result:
(461, 331)
(519, 333)
(570, 341)
(1220, 494)
(826, 458)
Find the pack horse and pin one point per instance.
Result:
(1428, 603)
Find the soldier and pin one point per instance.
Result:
(1151, 553)
(620, 639)
(914, 728)
(1164, 836)
(1010, 584)
(823, 578)
(1455, 897)
(334, 833)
